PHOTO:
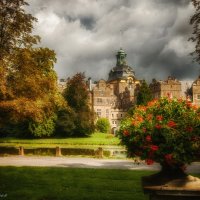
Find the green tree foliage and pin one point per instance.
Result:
(46, 128)
(77, 96)
(65, 125)
(28, 83)
(195, 21)
(103, 125)
(15, 27)
(144, 94)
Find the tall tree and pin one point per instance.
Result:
(15, 27)
(28, 82)
(195, 21)
(77, 97)
(144, 95)
(15, 32)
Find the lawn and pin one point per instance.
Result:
(95, 139)
(37, 183)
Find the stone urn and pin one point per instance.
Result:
(171, 183)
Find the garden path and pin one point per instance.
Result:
(45, 161)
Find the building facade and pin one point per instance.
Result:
(112, 98)
(196, 91)
(168, 88)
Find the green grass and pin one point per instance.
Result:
(37, 183)
(96, 139)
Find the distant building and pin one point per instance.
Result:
(196, 91)
(62, 83)
(168, 88)
(112, 98)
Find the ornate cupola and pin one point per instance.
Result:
(121, 70)
(121, 55)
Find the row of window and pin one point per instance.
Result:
(107, 114)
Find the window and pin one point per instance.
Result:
(198, 96)
(99, 112)
(107, 113)
(121, 115)
(99, 100)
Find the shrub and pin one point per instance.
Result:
(43, 129)
(166, 131)
(103, 125)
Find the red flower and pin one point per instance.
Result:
(194, 138)
(171, 124)
(188, 103)
(126, 133)
(149, 161)
(168, 157)
(159, 117)
(144, 130)
(154, 147)
(148, 138)
(189, 129)
(149, 117)
(158, 126)
(180, 100)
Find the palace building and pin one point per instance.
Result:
(113, 97)
(170, 87)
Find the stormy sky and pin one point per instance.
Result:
(85, 35)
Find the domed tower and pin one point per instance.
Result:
(122, 76)
(121, 70)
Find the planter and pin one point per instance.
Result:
(170, 184)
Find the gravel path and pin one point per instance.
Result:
(83, 163)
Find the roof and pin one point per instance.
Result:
(121, 70)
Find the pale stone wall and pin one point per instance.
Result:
(112, 100)
(196, 92)
(169, 88)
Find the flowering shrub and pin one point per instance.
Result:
(166, 131)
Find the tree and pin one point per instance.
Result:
(144, 94)
(65, 125)
(28, 85)
(195, 21)
(103, 125)
(15, 27)
(76, 92)
(77, 96)
(15, 32)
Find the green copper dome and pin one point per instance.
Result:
(121, 56)
(122, 70)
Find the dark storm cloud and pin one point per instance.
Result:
(174, 2)
(88, 22)
(86, 36)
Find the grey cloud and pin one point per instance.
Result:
(88, 22)
(86, 36)
(174, 2)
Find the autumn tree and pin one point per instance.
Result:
(195, 21)
(77, 96)
(28, 85)
(144, 95)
